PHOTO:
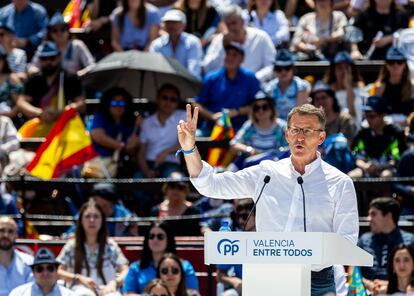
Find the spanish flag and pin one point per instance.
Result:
(67, 144)
(76, 14)
(222, 130)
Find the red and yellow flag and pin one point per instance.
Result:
(222, 130)
(76, 14)
(67, 144)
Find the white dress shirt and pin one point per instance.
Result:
(259, 51)
(32, 289)
(331, 203)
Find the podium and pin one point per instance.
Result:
(279, 263)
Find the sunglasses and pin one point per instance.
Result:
(41, 268)
(174, 270)
(395, 62)
(371, 116)
(159, 236)
(44, 59)
(280, 68)
(176, 186)
(172, 99)
(115, 103)
(7, 230)
(264, 107)
(58, 30)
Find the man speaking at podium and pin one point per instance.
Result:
(303, 193)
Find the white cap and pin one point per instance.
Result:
(174, 15)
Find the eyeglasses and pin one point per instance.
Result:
(172, 99)
(263, 107)
(307, 132)
(395, 62)
(159, 236)
(7, 230)
(41, 268)
(174, 270)
(45, 59)
(282, 68)
(116, 103)
(177, 186)
(58, 30)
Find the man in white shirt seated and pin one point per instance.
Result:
(45, 277)
(258, 46)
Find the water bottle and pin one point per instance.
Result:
(225, 226)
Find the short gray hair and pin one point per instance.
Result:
(231, 10)
(308, 109)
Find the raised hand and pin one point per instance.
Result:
(187, 130)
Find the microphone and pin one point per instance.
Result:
(265, 181)
(300, 182)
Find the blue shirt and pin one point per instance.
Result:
(287, 100)
(219, 92)
(189, 51)
(380, 245)
(32, 289)
(131, 36)
(17, 273)
(112, 130)
(30, 23)
(235, 270)
(137, 279)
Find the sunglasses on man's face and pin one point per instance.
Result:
(395, 62)
(159, 236)
(171, 99)
(58, 30)
(282, 68)
(176, 186)
(174, 270)
(41, 268)
(116, 103)
(47, 59)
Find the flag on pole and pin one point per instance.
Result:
(76, 14)
(67, 144)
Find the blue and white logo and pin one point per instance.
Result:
(228, 247)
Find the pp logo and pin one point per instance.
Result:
(226, 246)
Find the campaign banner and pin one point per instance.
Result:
(263, 247)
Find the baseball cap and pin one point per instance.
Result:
(56, 20)
(343, 57)
(107, 191)
(284, 58)
(44, 256)
(322, 86)
(174, 15)
(234, 45)
(376, 104)
(47, 49)
(394, 54)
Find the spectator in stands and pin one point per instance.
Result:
(134, 25)
(396, 85)
(318, 35)
(170, 269)
(158, 140)
(114, 132)
(16, 57)
(42, 97)
(230, 89)
(29, 20)
(176, 204)
(379, 146)
(356, 6)
(230, 275)
(91, 262)
(286, 89)
(106, 196)
(345, 79)
(202, 19)
(384, 213)
(45, 277)
(257, 45)
(157, 287)
(266, 16)
(378, 23)
(401, 270)
(14, 265)
(75, 54)
(157, 241)
(337, 121)
(184, 47)
(261, 137)
(294, 9)
(99, 11)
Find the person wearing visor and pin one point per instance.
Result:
(45, 277)
(286, 89)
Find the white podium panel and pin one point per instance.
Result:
(277, 263)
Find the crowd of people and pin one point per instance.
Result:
(244, 54)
